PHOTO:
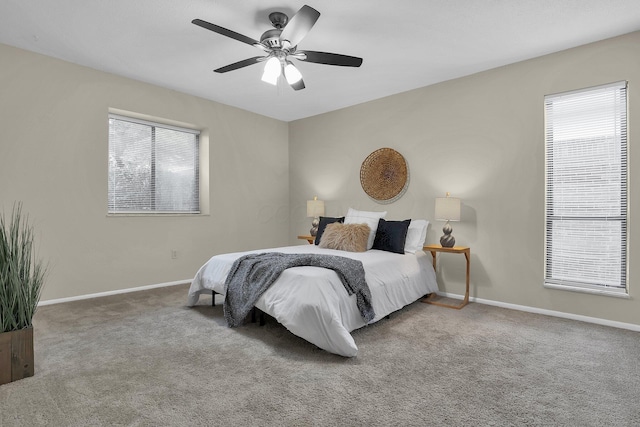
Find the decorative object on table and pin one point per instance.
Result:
(315, 209)
(21, 281)
(384, 175)
(447, 209)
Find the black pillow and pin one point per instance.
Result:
(324, 221)
(391, 235)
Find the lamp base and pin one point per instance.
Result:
(447, 240)
(314, 226)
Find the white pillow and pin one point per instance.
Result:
(363, 217)
(416, 233)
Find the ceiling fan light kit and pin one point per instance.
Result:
(292, 74)
(280, 43)
(271, 71)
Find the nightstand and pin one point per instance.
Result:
(431, 299)
(308, 238)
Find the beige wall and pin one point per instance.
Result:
(53, 158)
(480, 138)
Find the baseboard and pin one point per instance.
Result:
(571, 316)
(119, 291)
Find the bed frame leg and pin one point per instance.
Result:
(254, 311)
(213, 298)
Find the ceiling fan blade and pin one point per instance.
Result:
(328, 58)
(240, 64)
(225, 32)
(298, 85)
(298, 26)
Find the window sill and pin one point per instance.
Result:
(155, 214)
(607, 293)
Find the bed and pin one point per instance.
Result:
(312, 302)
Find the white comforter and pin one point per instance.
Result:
(312, 302)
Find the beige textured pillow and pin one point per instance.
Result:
(345, 237)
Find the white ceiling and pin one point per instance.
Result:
(405, 44)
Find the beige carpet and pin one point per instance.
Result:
(144, 359)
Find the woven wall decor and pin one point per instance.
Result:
(384, 175)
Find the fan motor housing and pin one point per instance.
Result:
(271, 38)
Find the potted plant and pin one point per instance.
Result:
(21, 280)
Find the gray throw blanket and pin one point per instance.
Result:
(251, 275)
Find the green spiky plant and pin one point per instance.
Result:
(21, 272)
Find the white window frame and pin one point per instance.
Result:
(198, 190)
(570, 218)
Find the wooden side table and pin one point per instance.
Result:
(431, 299)
(308, 238)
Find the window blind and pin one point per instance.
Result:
(586, 188)
(153, 168)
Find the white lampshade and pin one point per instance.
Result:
(447, 208)
(315, 208)
(272, 70)
(292, 74)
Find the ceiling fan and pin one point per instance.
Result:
(280, 44)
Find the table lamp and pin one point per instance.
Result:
(315, 208)
(447, 209)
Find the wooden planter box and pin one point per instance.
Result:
(16, 355)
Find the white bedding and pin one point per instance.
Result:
(312, 302)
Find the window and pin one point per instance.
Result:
(153, 168)
(586, 189)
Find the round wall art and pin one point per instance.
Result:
(384, 175)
